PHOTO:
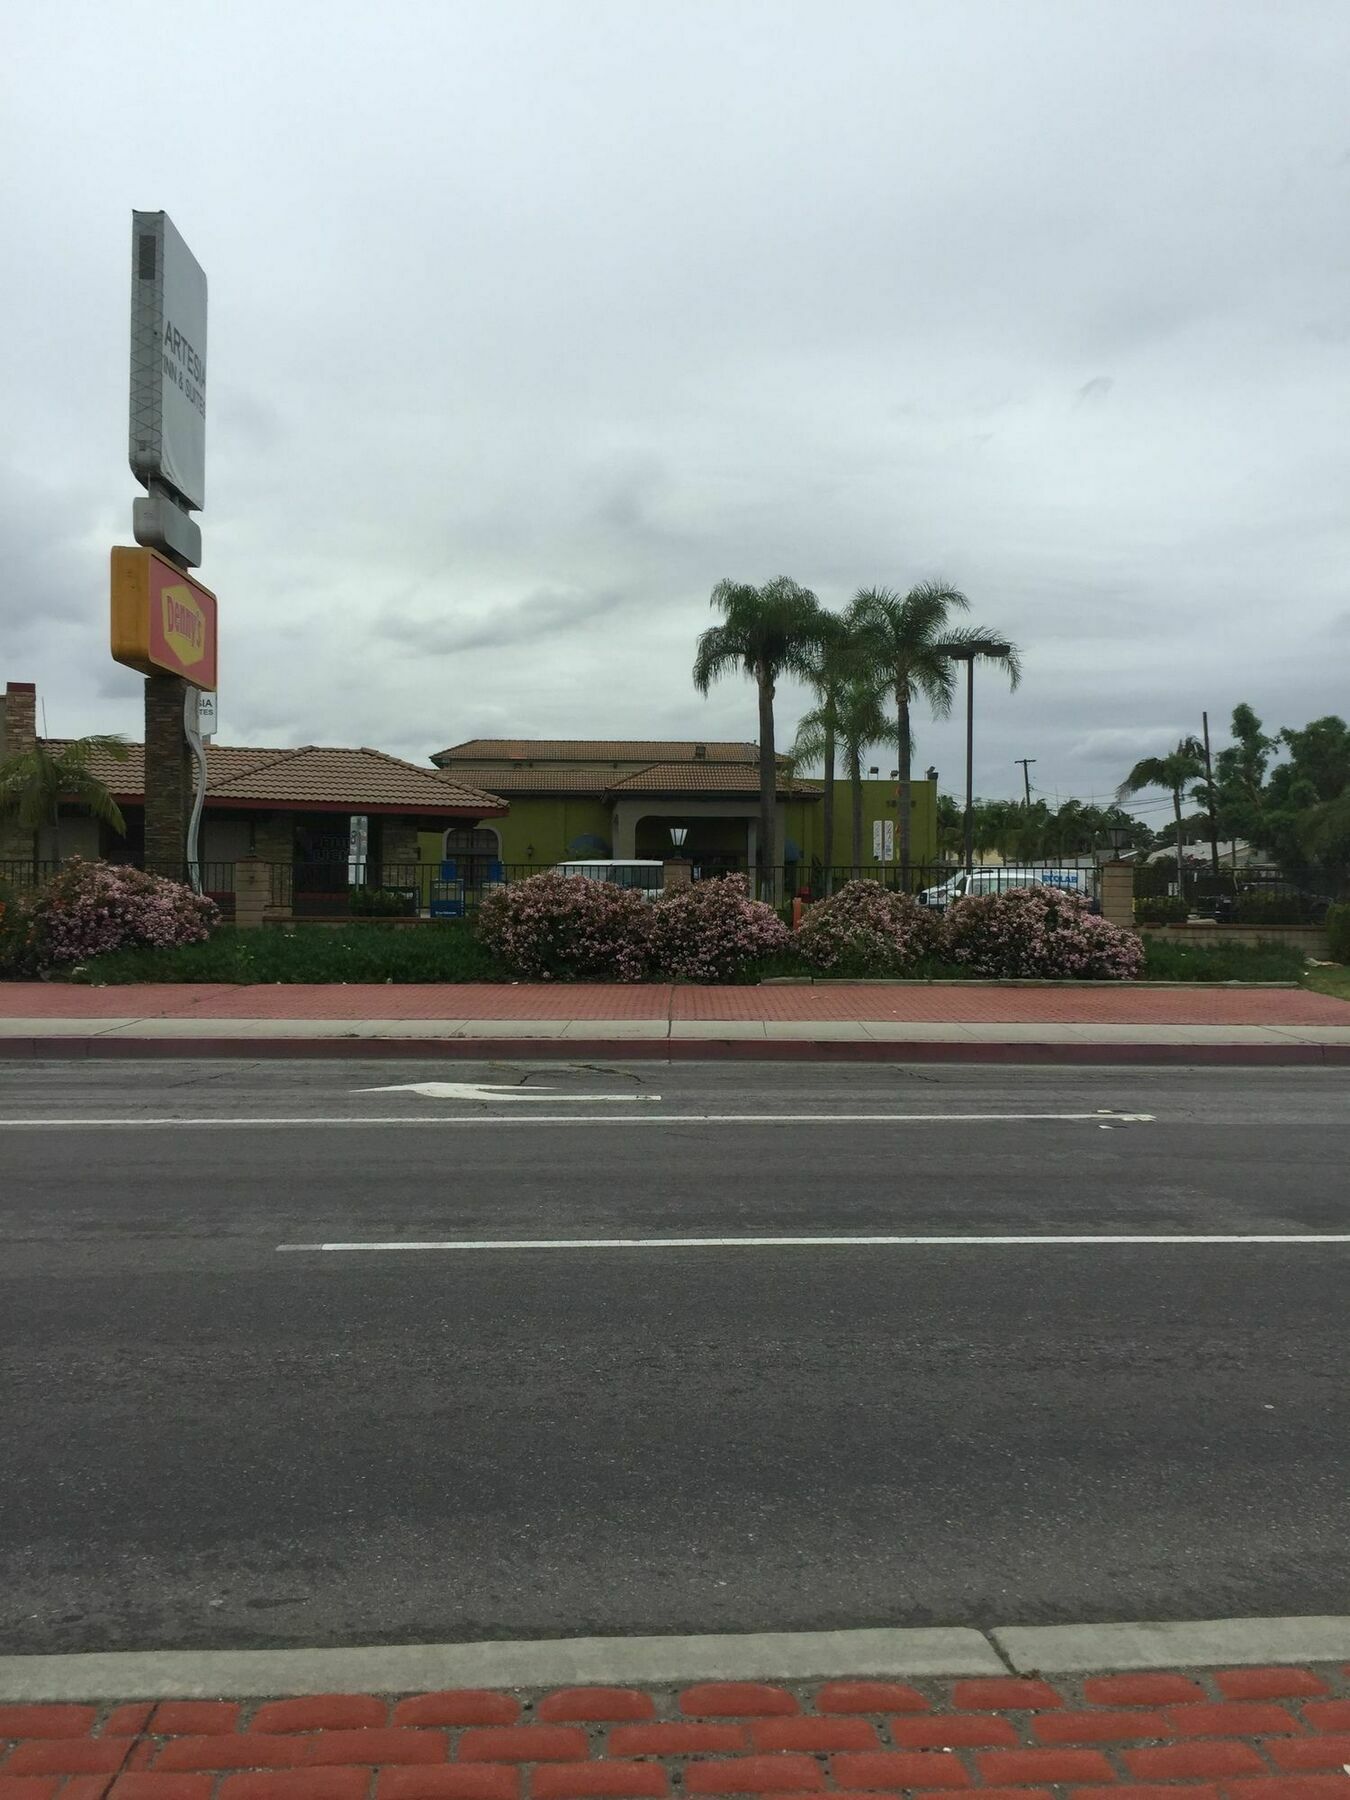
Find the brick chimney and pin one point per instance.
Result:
(18, 718)
(18, 730)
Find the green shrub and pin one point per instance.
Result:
(1338, 931)
(383, 902)
(1161, 909)
(1257, 908)
(1165, 960)
(444, 951)
(16, 953)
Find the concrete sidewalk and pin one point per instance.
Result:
(867, 1021)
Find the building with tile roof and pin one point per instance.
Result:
(621, 797)
(289, 806)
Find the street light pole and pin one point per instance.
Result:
(970, 764)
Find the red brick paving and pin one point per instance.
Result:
(998, 1740)
(952, 1002)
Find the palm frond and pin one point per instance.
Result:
(719, 652)
(92, 793)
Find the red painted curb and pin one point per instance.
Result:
(427, 1049)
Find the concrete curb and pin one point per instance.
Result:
(710, 1049)
(655, 1661)
(566, 1662)
(1195, 1643)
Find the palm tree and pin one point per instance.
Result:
(855, 720)
(827, 668)
(767, 633)
(33, 783)
(1183, 765)
(905, 637)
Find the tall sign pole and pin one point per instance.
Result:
(164, 623)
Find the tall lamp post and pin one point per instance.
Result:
(966, 652)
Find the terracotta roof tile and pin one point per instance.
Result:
(313, 775)
(597, 750)
(707, 778)
(555, 780)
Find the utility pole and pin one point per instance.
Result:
(1209, 793)
(1026, 762)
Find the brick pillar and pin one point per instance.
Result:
(252, 891)
(18, 734)
(168, 777)
(1117, 893)
(677, 873)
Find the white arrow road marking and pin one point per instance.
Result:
(489, 1090)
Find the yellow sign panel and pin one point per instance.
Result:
(163, 622)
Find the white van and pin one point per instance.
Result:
(999, 880)
(648, 877)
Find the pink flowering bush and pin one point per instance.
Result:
(713, 931)
(1039, 932)
(91, 907)
(867, 929)
(568, 928)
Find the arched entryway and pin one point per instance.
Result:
(476, 853)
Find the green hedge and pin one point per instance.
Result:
(16, 958)
(444, 951)
(1338, 932)
(1169, 961)
(1275, 909)
(448, 951)
(1164, 909)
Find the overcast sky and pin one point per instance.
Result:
(530, 322)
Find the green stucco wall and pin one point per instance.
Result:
(879, 803)
(549, 828)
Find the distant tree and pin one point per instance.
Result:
(1324, 834)
(33, 783)
(766, 633)
(1305, 800)
(1240, 777)
(1174, 772)
(828, 664)
(950, 827)
(858, 717)
(901, 633)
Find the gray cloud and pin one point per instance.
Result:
(513, 626)
(530, 322)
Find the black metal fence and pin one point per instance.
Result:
(1252, 894)
(23, 874)
(938, 884)
(445, 890)
(1256, 894)
(454, 888)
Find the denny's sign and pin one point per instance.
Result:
(163, 622)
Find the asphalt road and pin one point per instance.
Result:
(213, 1438)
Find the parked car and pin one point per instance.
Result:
(649, 877)
(999, 880)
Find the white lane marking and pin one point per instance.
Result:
(787, 1243)
(491, 1090)
(456, 1124)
